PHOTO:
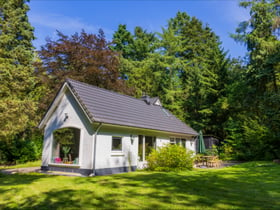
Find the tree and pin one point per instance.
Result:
(122, 40)
(18, 95)
(84, 57)
(135, 47)
(258, 133)
(201, 66)
(137, 58)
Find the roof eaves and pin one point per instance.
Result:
(80, 101)
(52, 106)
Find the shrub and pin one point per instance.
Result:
(170, 158)
(21, 149)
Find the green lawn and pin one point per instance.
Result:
(29, 164)
(253, 185)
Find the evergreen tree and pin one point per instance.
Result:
(135, 47)
(202, 72)
(18, 95)
(258, 134)
(122, 40)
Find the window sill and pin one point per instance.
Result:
(117, 153)
(65, 165)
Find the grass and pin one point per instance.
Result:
(29, 164)
(254, 185)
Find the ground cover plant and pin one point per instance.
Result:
(252, 185)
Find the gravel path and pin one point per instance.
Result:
(20, 170)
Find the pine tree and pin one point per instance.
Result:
(259, 136)
(202, 71)
(17, 83)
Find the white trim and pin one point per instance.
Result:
(116, 151)
(53, 106)
(51, 149)
(57, 101)
(80, 104)
(65, 165)
(80, 146)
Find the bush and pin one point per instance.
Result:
(21, 149)
(170, 158)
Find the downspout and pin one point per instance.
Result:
(94, 149)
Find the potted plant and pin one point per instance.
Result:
(65, 150)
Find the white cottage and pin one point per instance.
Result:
(90, 130)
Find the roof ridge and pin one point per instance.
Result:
(104, 89)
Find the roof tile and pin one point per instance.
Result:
(114, 108)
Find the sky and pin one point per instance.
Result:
(70, 16)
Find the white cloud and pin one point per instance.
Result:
(47, 24)
(60, 22)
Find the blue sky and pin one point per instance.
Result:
(70, 16)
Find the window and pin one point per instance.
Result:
(183, 141)
(178, 141)
(150, 144)
(116, 143)
(66, 144)
(145, 146)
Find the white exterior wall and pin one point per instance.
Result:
(77, 119)
(106, 158)
(190, 144)
(162, 141)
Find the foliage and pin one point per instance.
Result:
(212, 152)
(18, 94)
(184, 65)
(64, 136)
(136, 46)
(66, 150)
(196, 189)
(254, 128)
(170, 158)
(22, 148)
(20, 90)
(84, 57)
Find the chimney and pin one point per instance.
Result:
(146, 98)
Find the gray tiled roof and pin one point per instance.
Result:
(114, 108)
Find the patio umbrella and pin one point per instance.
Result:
(201, 145)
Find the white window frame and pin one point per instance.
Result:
(120, 151)
(50, 162)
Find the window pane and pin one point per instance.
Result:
(140, 148)
(178, 141)
(172, 141)
(66, 143)
(183, 143)
(116, 143)
(149, 145)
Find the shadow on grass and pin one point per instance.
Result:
(239, 187)
(65, 199)
(248, 187)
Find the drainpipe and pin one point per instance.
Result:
(94, 149)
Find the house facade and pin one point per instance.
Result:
(93, 131)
